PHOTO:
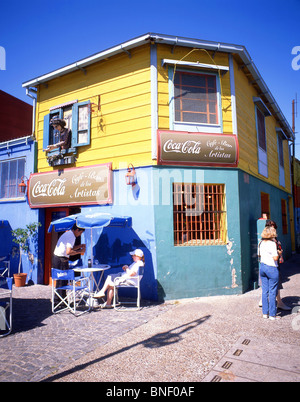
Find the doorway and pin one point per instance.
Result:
(51, 238)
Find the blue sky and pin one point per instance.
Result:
(42, 35)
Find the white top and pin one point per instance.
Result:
(125, 276)
(133, 269)
(267, 251)
(66, 240)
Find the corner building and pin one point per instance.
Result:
(195, 125)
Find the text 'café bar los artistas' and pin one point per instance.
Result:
(74, 186)
(190, 149)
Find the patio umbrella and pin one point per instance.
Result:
(89, 220)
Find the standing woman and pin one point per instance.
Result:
(269, 272)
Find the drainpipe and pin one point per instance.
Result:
(34, 91)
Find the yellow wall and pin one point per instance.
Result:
(247, 135)
(121, 130)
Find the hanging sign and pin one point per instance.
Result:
(197, 149)
(76, 186)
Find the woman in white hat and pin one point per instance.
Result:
(129, 276)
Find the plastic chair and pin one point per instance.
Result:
(133, 282)
(6, 306)
(75, 294)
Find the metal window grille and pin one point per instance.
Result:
(199, 214)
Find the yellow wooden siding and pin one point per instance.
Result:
(121, 129)
(185, 54)
(247, 134)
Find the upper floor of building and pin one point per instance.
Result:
(116, 101)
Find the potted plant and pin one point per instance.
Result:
(21, 237)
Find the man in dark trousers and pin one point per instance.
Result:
(64, 249)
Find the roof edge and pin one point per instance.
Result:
(175, 41)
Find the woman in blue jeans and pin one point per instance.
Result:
(269, 272)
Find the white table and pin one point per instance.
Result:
(91, 270)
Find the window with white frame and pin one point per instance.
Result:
(195, 101)
(261, 112)
(10, 176)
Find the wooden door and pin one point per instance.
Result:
(51, 239)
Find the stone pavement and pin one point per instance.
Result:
(41, 343)
(221, 338)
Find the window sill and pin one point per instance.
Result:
(16, 199)
(197, 128)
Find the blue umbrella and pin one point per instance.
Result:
(89, 220)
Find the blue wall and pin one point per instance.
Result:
(114, 244)
(18, 213)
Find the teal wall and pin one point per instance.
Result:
(184, 272)
(195, 271)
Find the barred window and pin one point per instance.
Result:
(199, 214)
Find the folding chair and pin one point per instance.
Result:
(133, 282)
(75, 295)
(4, 267)
(5, 306)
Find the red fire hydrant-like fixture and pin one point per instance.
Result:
(130, 175)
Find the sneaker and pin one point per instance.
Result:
(266, 316)
(274, 318)
(99, 295)
(105, 305)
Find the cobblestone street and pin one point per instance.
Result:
(42, 343)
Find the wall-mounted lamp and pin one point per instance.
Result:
(23, 185)
(130, 175)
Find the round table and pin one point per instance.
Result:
(90, 270)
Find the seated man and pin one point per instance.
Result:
(127, 276)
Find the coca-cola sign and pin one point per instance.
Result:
(197, 149)
(75, 186)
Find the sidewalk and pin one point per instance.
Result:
(221, 338)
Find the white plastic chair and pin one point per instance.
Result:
(133, 282)
(75, 294)
(5, 306)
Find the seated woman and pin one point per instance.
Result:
(124, 277)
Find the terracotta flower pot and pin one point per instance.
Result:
(20, 280)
